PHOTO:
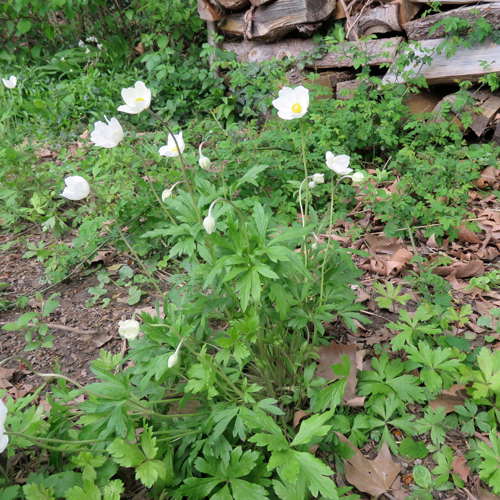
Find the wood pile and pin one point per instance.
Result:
(259, 30)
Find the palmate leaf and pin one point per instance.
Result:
(125, 453)
(490, 466)
(149, 472)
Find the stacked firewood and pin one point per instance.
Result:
(258, 30)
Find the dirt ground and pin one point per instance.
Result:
(80, 330)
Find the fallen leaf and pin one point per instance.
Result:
(331, 355)
(460, 467)
(487, 179)
(455, 396)
(374, 477)
(382, 244)
(299, 415)
(461, 269)
(486, 495)
(465, 234)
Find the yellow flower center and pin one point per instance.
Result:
(296, 108)
(175, 148)
(139, 99)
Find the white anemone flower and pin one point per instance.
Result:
(4, 440)
(339, 164)
(11, 82)
(77, 188)
(129, 329)
(292, 103)
(137, 99)
(312, 184)
(167, 193)
(171, 150)
(107, 135)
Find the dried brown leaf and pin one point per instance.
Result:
(382, 244)
(460, 467)
(455, 396)
(331, 355)
(465, 234)
(374, 477)
(486, 495)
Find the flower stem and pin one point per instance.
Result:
(183, 163)
(148, 177)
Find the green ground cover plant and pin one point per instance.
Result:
(203, 403)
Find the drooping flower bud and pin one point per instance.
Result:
(204, 162)
(173, 360)
(319, 178)
(166, 194)
(312, 184)
(209, 223)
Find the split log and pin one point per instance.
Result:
(455, 2)
(234, 4)
(484, 112)
(273, 20)
(209, 12)
(381, 19)
(379, 52)
(388, 17)
(407, 11)
(464, 64)
(419, 29)
(423, 102)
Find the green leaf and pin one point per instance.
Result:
(148, 443)
(125, 453)
(312, 427)
(23, 26)
(113, 490)
(149, 472)
(316, 473)
(412, 449)
(244, 490)
(196, 488)
(422, 476)
(90, 491)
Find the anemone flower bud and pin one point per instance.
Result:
(339, 164)
(77, 188)
(107, 135)
(204, 162)
(209, 224)
(319, 178)
(171, 150)
(292, 103)
(137, 99)
(10, 83)
(357, 177)
(166, 194)
(314, 246)
(129, 329)
(312, 184)
(4, 440)
(173, 360)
